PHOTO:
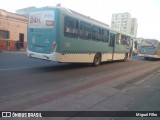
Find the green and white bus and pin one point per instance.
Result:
(149, 48)
(63, 35)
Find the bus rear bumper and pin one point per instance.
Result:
(151, 56)
(51, 57)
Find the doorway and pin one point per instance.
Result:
(21, 40)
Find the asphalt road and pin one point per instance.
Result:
(19, 73)
(33, 84)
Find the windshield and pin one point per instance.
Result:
(148, 43)
(41, 19)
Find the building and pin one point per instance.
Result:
(25, 11)
(134, 26)
(123, 22)
(13, 31)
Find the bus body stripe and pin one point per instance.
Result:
(81, 58)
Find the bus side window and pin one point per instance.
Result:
(124, 40)
(85, 30)
(71, 26)
(112, 40)
(105, 35)
(96, 33)
(118, 39)
(128, 40)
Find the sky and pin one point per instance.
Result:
(147, 12)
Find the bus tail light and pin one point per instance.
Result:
(54, 46)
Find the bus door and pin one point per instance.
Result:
(133, 47)
(112, 43)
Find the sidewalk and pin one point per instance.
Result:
(143, 95)
(11, 51)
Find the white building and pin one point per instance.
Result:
(134, 26)
(123, 22)
(25, 11)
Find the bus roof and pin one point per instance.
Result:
(151, 39)
(69, 11)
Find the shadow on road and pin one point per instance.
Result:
(73, 66)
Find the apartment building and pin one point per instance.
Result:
(13, 31)
(134, 26)
(123, 22)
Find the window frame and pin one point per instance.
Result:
(111, 40)
(125, 40)
(105, 37)
(4, 34)
(71, 26)
(85, 30)
(96, 33)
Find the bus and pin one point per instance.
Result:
(63, 35)
(149, 48)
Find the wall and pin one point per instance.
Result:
(15, 24)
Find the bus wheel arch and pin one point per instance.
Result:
(97, 59)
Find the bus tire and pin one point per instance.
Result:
(125, 57)
(97, 59)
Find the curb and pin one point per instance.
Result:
(13, 51)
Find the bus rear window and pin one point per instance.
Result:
(41, 19)
(148, 43)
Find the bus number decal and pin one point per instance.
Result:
(35, 20)
(67, 45)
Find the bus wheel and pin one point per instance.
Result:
(125, 57)
(97, 59)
